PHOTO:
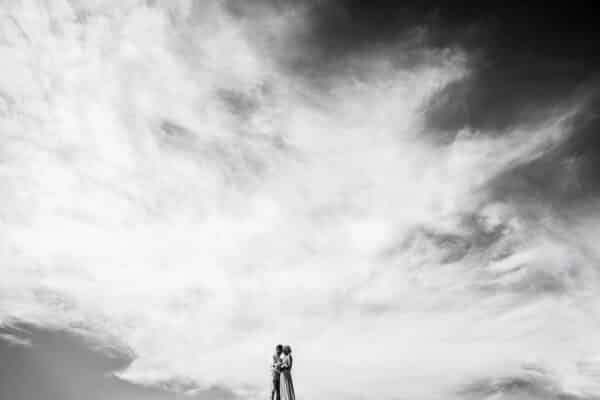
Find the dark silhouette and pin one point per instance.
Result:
(287, 386)
(276, 372)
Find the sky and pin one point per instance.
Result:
(405, 192)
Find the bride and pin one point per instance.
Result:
(286, 385)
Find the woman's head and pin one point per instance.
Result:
(287, 349)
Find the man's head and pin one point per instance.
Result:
(279, 348)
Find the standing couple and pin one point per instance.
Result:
(283, 388)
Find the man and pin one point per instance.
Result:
(275, 393)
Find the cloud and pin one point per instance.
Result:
(14, 340)
(530, 383)
(59, 364)
(171, 182)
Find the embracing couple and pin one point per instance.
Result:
(283, 388)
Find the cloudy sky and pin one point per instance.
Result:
(406, 192)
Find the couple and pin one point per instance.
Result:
(283, 388)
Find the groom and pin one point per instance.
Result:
(275, 393)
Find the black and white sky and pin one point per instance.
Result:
(407, 192)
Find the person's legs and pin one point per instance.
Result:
(275, 393)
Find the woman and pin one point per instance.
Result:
(286, 384)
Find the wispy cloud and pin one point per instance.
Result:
(15, 340)
(169, 181)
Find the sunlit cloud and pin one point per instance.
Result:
(169, 182)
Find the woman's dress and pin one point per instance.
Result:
(286, 385)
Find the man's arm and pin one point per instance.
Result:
(276, 364)
(283, 365)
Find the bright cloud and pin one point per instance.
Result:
(164, 181)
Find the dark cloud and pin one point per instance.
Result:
(44, 364)
(500, 97)
(567, 174)
(339, 29)
(527, 60)
(531, 384)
